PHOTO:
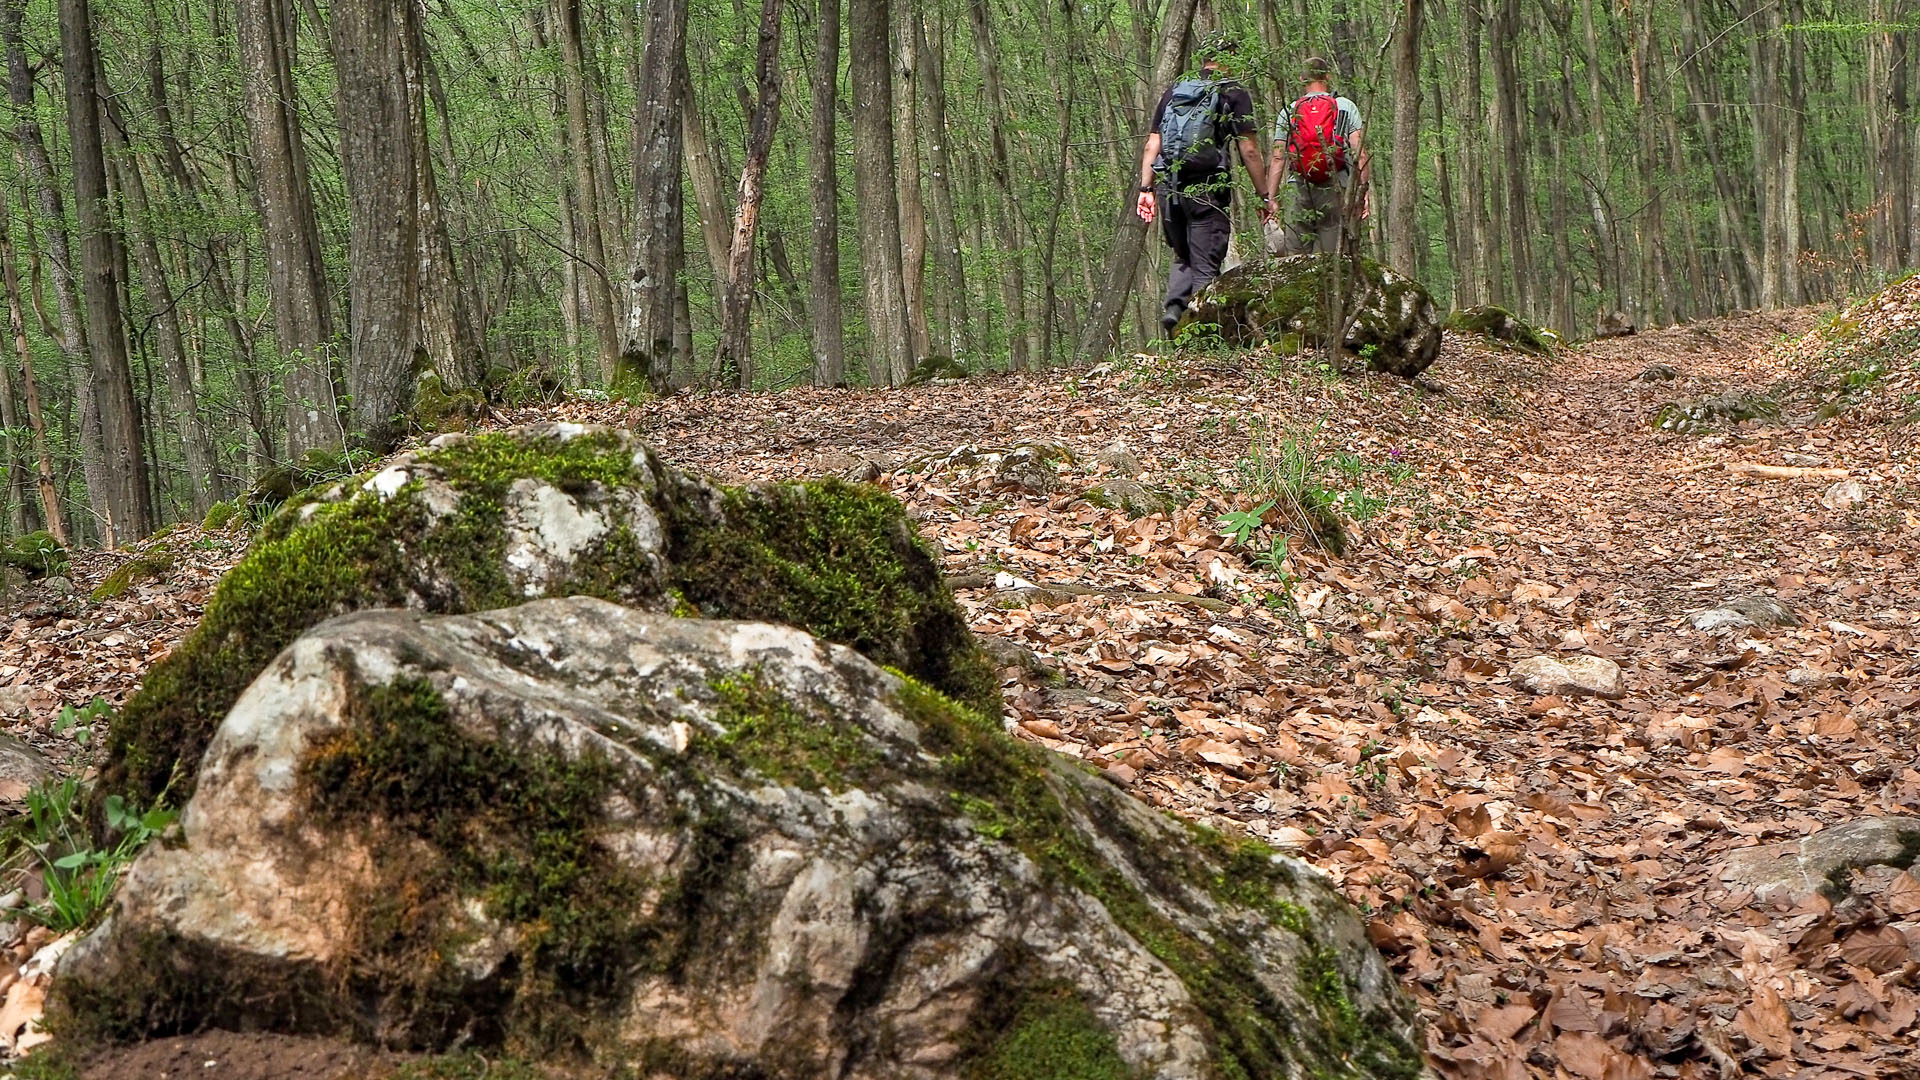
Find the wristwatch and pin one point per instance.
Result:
(1145, 188)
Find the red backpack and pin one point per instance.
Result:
(1318, 151)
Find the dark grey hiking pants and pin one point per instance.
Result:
(1198, 230)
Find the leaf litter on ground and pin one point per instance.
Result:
(1543, 871)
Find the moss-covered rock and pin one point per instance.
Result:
(150, 564)
(1699, 415)
(36, 554)
(1289, 301)
(935, 368)
(486, 521)
(1497, 324)
(592, 834)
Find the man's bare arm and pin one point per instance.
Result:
(1256, 165)
(1143, 202)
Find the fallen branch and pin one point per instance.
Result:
(1054, 594)
(1784, 472)
(1764, 472)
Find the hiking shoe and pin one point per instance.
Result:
(1168, 322)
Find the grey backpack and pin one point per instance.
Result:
(1189, 139)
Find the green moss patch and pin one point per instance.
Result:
(147, 566)
(1014, 793)
(513, 827)
(841, 561)
(1499, 325)
(36, 553)
(1048, 1033)
(767, 734)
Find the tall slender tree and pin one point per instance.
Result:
(889, 351)
(736, 326)
(823, 187)
(123, 499)
(646, 347)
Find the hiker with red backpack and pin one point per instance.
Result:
(1186, 171)
(1320, 157)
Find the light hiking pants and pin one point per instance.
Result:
(1311, 218)
(1198, 230)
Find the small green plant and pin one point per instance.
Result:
(79, 722)
(1240, 525)
(79, 877)
(1274, 559)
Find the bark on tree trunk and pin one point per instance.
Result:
(17, 323)
(203, 474)
(889, 360)
(704, 176)
(736, 302)
(586, 184)
(290, 231)
(913, 206)
(376, 47)
(1101, 331)
(823, 179)
(646, 349)
(951, 315)
(1000, 167)
(1403, 225)
(125, 499)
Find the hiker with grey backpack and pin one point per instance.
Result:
(1186, 179)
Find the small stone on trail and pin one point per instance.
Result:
(1588, 676)
(1131, 497)
(1796, 870)
(1844, 495)
(1747, 611)
(1657, 373)
(852, 468)
(1819, 680)
(21, 767)
(1030, 469)
(1119, 460)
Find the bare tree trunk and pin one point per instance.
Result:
(736, 302)
(1013, 285)
(290, 231)
(951, 313)
(823, 179)
(203, 475)
(17, 322)
(1519, 190)
(1763, 69)
(1403, 221)
(586, 184)
(126, 498)
(913, 206)
(1606, 231)
(1102, 328)
(646, 350)
(704, 176)
(1796, 123)
(374, 43)
(889, 360)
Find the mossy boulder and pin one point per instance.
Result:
(486, 521)
(36, 554)
(1288, 301)
(632, 844)
(150, 564)
(1497, 324)
(1700, 415)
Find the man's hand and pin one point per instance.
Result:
(1366, 202)
(1144, 206)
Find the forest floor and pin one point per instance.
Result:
(1545, 871)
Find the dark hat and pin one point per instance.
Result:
(1317, 69)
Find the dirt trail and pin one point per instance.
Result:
(1544, 870)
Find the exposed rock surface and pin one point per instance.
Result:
(1130, 496)
(1497, 324)
(486, 521)
(1814, 864)
(702, 848)
(1844, 495)
(1587, 676)
(1029, 467)
(1396, 327)
(1120, 460)
(1744, 613)
(1657, 373)
(21, 767)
